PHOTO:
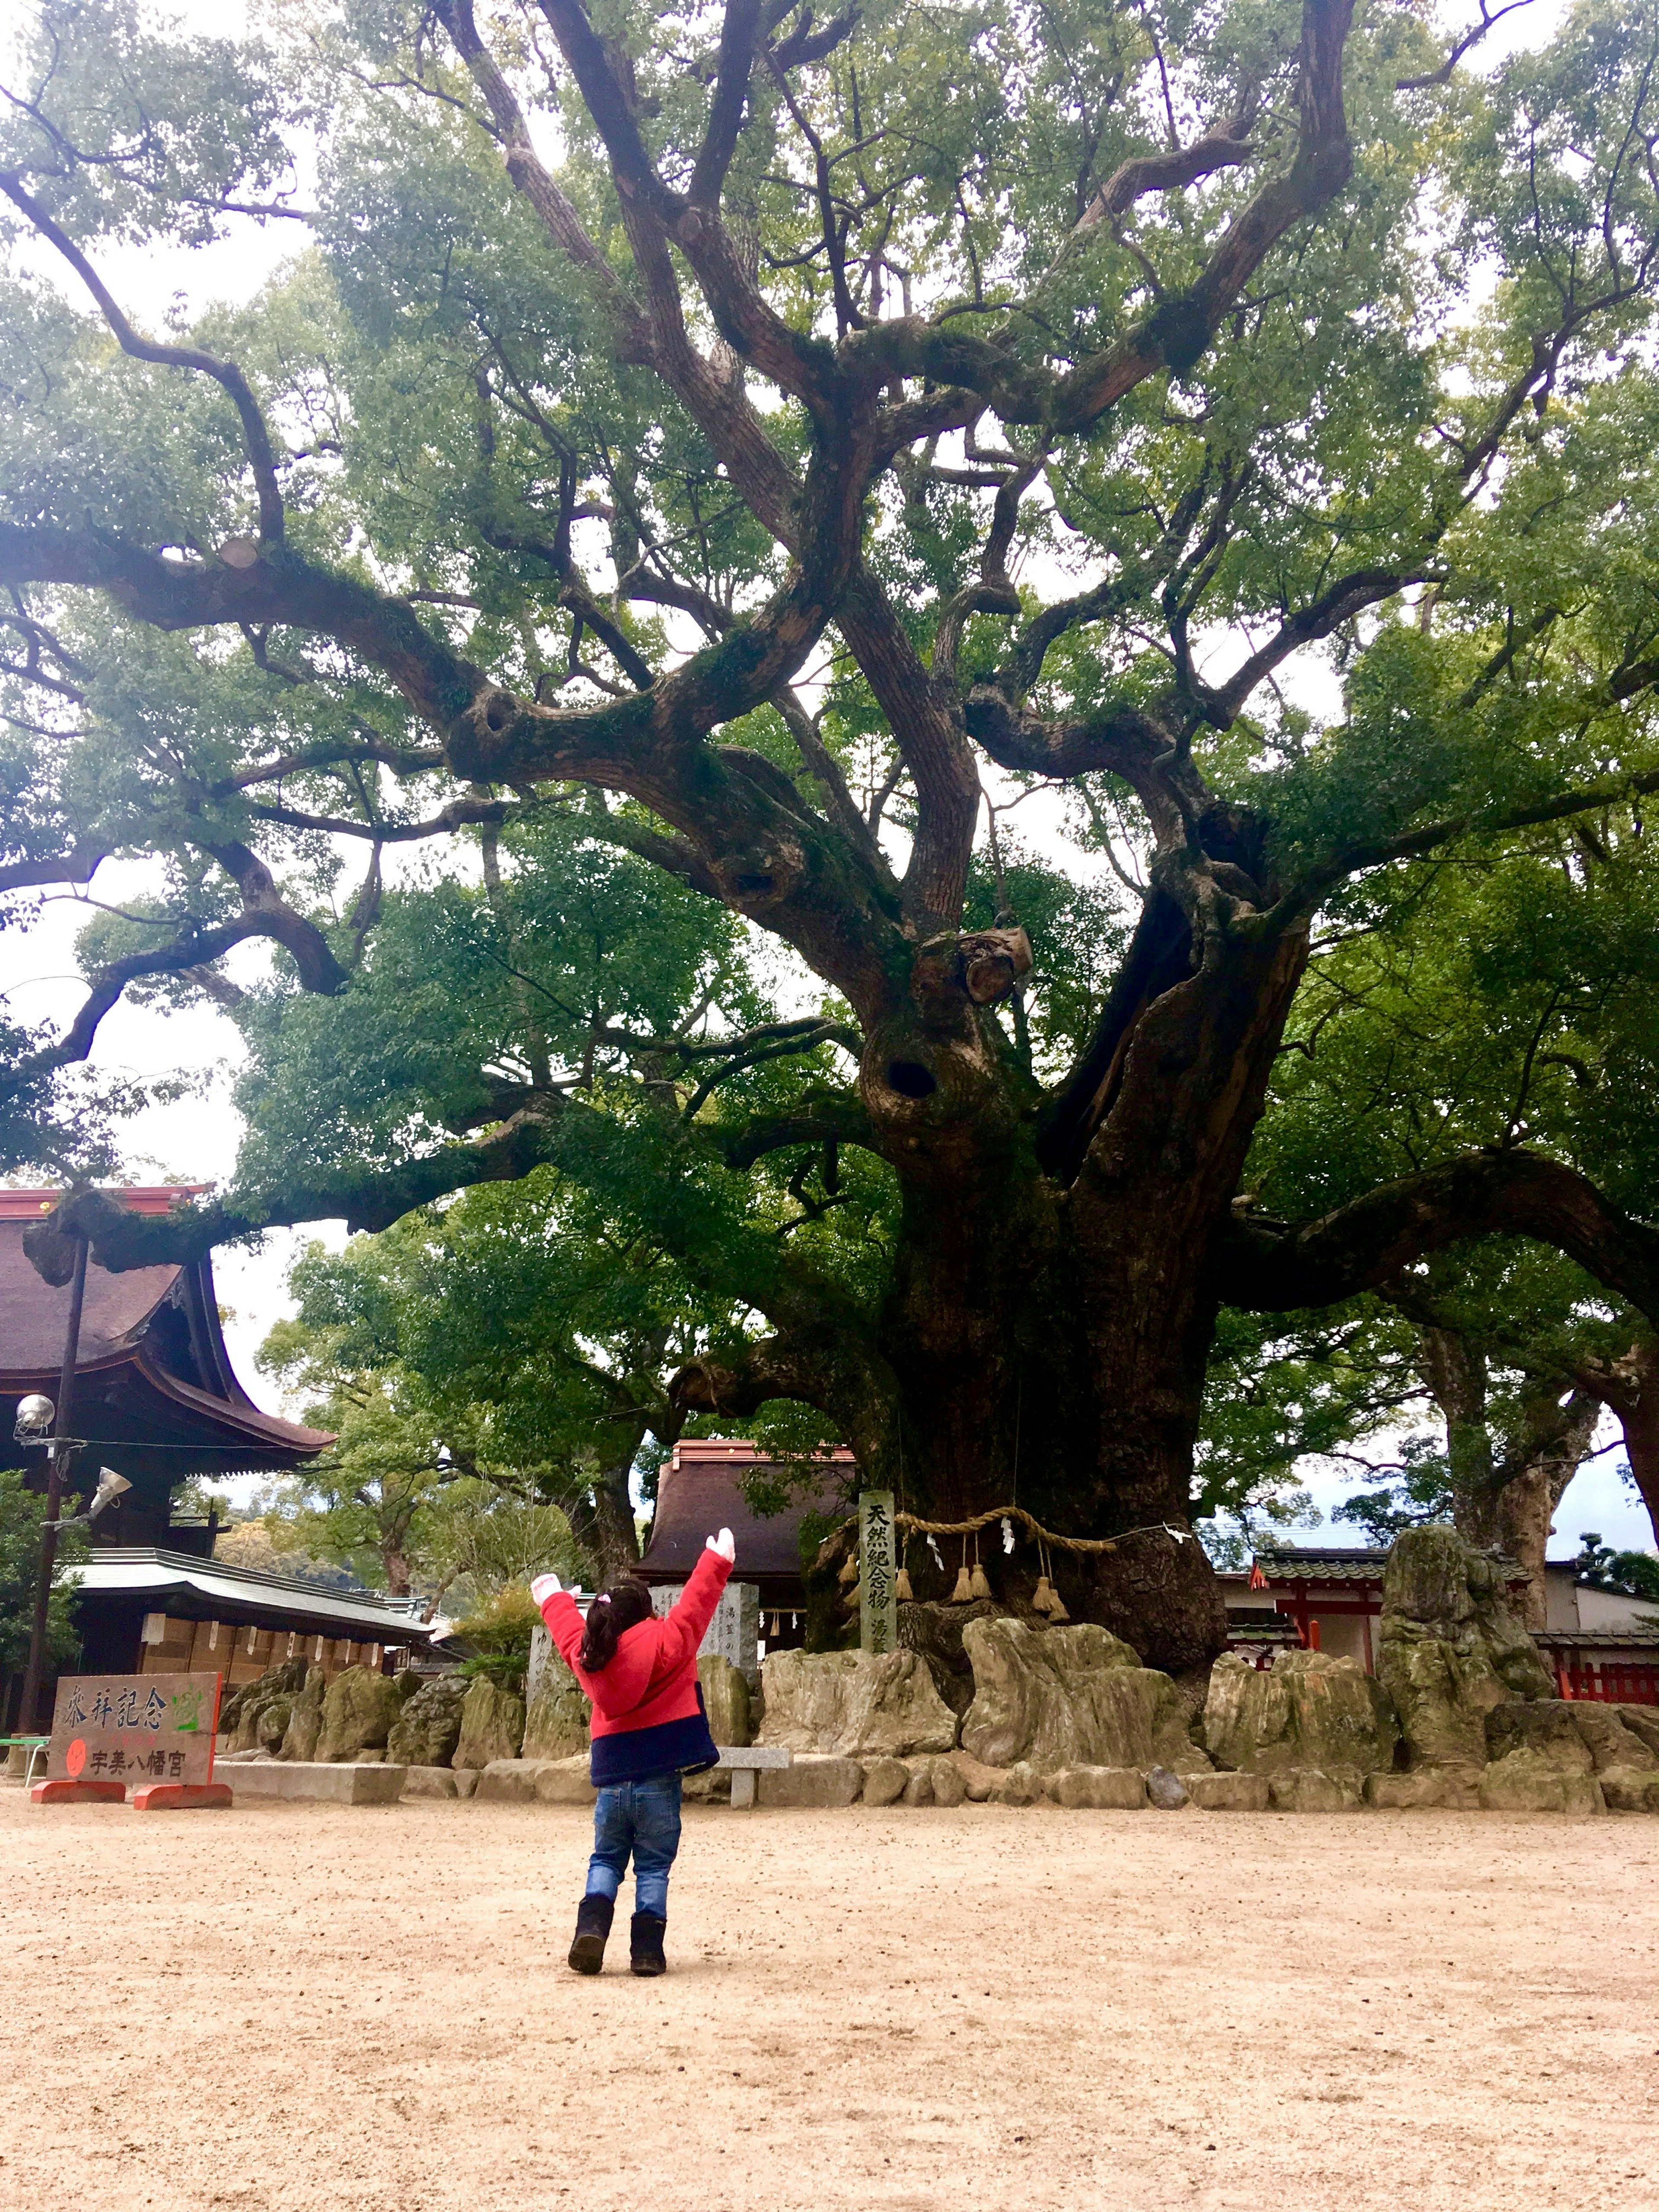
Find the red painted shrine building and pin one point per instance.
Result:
(1329, 1598)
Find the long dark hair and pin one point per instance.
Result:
(609, 1617)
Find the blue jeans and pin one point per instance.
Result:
(643, 1818)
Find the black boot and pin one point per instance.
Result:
(592, 1925)
(645, 1938)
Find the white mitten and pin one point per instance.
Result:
(545, 1586)
(725, 1543)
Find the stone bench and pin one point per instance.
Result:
(745, 1760)
(344, 1783)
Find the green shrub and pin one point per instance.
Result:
(498, 1636)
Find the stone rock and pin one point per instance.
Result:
(1444, 1789)
(1019, 1784)
(467, 1780)
(1070, 1697)
(854, 1703)
(270, 1722)
(1630, 1788)
(712, 1787)
(240, 1714)
(429, 1782)
(359, 1707)
(949, 1788)
(1525, 1782)
(492, 1725)
(304, 1720)
(1165, 1792)
(934, 1629)
(1310, 1709)
(885, 1781)
(1229, 1793)
(509, 1781)
(977, 1779)
(1642, 1721)
(814, 1780)
(564, 1781)
(1305, 1790)
(1103, 1789)
(1612, 1742)
(1452, 1647)
(429, 1728)
(725, 1699)
(918, 1790)
(1546, 1729)
(555, 1725)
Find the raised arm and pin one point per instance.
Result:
(687, 1622)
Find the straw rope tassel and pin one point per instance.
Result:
(1042, 1597)
(963, 1592)
(976, 1582)
(902, 1589)
(1057, 1612)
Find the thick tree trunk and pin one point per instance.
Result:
(1639, 1419)
(1532, 1480)
(1630, 1388)
(1054, 1302)
(1505, 1497)
(602, 1521)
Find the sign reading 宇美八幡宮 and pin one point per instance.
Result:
(878, 1572)
(134, 1728)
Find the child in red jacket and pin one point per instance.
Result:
(649, 1729)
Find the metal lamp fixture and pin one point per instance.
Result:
(35, 1415)
(110, 1486)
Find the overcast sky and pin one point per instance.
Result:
(195, 1138)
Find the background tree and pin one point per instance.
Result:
(22, 1513)
(853, 412)
(513, 1342)
(1543, 971)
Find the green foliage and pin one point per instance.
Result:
(1422, 1494)
(1628, 1574)
(500, 1634)
(459, 427)
(22, 1513)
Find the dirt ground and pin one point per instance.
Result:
(287, 2008)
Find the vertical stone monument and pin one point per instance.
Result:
(733, 1634)
(878, 1572)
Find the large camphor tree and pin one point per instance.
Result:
(729, 442)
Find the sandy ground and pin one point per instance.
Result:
(291, 2007)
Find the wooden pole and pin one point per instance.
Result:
(29, 1717)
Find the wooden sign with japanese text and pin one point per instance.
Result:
(134, 1728)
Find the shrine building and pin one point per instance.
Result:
(700, 1492)
(157, 1401)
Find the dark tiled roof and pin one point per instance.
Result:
(1339, 1563)
(1580, 1639)
(1324, 1563)
(699, 1492)
(34, 1314)
(154, 1575)
(132, 1323)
